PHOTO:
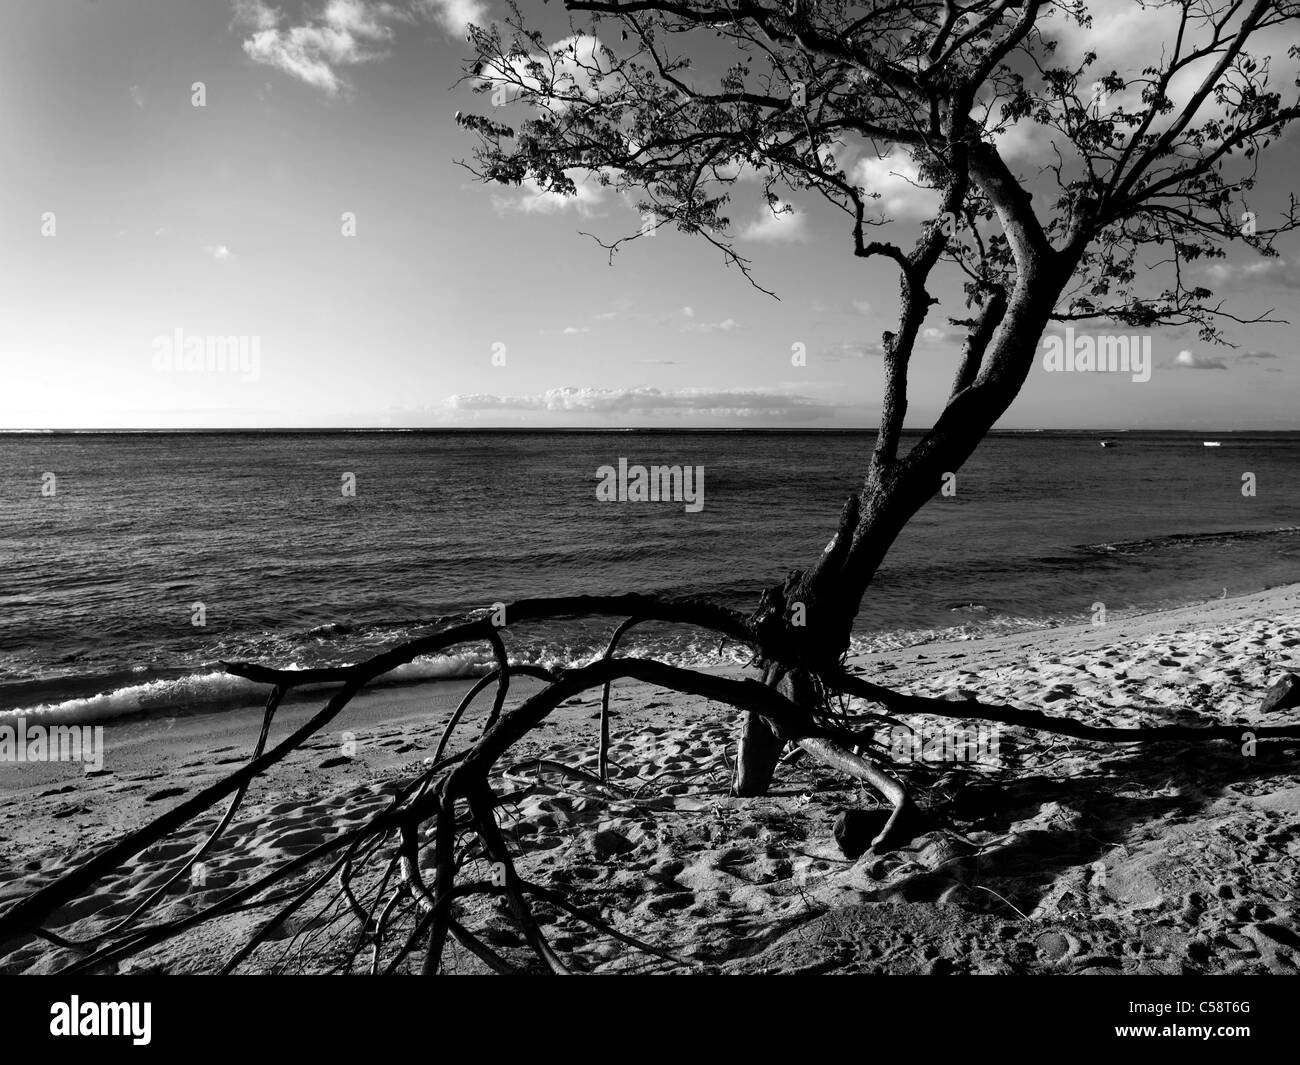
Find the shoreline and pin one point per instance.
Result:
(1208, 662)
(98, 709)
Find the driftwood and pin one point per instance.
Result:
(451, 806)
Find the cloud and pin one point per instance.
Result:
(649, 402)
(219, 252)
(843, 352)
(575, 67)
(255, 14)
(1021, 140)
(725, 326)
(738, 170)
(572, 330)
(531, 198)
(344, 33)
(1186, 360)
(1257, 355)
(894, 179)
(1241, 277)
(781, 224)
(137, 95)
(692, 326)
(340, 34)
(454, 15)
(1121, 34)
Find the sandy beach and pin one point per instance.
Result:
(1059, 856)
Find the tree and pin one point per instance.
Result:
(1157, 161)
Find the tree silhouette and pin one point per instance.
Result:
(1158, 161)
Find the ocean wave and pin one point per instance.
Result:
(1177, 540)
(208, 690)
(217, 690)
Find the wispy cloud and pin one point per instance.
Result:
(219, 252)
(845, 351)
(738, 404)
(1189, 360)
(780, 224)
(344, 33)
(325, 40)
(895, 179)
(454, 15)
(576, 67)
(531, 198)
(1241, 277)
(724, 326)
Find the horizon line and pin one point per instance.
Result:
(321, 429)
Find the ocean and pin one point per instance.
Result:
(149, 557)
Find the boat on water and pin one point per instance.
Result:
(1109, 443)
(1210, 443)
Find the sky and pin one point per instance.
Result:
(313, 206)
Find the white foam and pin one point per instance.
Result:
(219, 688)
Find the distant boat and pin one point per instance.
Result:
(1108, 443)
(1210, 443)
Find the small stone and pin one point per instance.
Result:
(1053, 945)
(1283, 695)
(855, 829)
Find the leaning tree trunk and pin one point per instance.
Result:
(811, 615)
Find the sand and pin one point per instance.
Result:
(1061, 857)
